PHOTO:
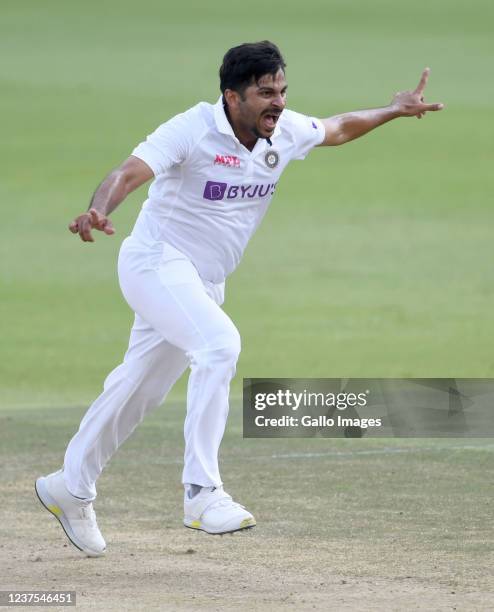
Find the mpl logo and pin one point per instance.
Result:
(230, 161)
(219, 191)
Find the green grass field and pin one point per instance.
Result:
(375, 260)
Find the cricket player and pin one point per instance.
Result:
(214, 170)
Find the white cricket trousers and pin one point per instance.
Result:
(178, 323)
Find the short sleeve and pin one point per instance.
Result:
(168, 145)
(307, 132)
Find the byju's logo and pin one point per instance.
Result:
(220, 191)
(214, 191)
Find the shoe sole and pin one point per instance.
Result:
(245, 524)
(53, 508)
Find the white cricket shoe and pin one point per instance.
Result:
(76, 515)
(214, 511)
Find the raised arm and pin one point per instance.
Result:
(113, 190)
(348, 126)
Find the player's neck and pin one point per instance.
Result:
(245, 136)
(248, 139)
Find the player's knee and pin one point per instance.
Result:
(226, 349)
(228, 353)
(222, 350)
(233, 346)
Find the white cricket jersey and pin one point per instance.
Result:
(210, 192)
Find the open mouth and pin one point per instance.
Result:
(269, 121)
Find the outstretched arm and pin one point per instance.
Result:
(348, 126)
(112, 191)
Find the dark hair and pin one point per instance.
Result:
(249, 62)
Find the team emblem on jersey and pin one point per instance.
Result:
(271, 158)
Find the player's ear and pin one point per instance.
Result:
(232, 98)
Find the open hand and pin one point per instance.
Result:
(411, 103)
(92, 219)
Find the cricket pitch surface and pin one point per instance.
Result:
(395, 524)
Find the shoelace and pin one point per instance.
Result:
(88, 514)
(226, 501)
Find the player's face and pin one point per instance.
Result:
(262, 103)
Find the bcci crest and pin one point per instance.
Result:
(271, 158)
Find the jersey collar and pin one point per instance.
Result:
(224, 126)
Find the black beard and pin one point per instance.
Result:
(256, 133)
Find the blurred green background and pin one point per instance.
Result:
(375, 258)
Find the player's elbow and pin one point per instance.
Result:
(133, 173)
